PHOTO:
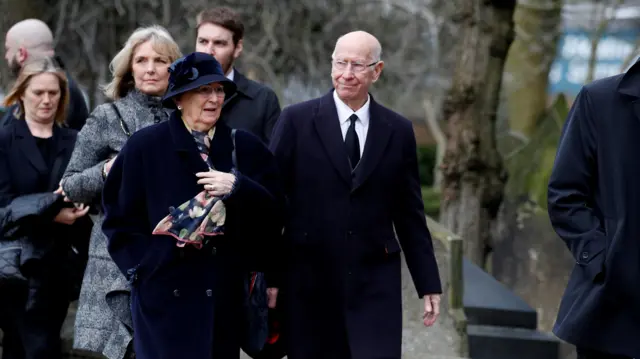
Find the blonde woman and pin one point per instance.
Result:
(140, 78)
(34, 151)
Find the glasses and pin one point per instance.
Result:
(356, 67)
(208, 90)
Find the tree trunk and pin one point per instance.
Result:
(529, 62)
(473, 172)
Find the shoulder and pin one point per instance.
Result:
(6, 135)
(394, 119)
(602, 88)
(302, 109)
(148, 138)
(255, 89)
(248, 142)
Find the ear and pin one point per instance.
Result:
(238, 50)
(377, 70)
(22, 55)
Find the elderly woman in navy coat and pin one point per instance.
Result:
(188, 204)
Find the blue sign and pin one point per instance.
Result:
(570, 69)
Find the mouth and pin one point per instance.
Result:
(210, 110)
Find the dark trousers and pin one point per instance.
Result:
(584, 353)
(31, 320)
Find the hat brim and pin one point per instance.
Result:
(229, 88)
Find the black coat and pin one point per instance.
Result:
(344, 272)
(594, 205)
(253, 108)
(187, 303)
(29, 206)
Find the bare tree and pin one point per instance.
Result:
(473, 172)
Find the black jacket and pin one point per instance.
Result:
(253, 108)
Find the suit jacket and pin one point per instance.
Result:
(344, 268)
(594, 205)
(253, 108)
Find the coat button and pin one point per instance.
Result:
(176, 293)
(209, 293)
(214, 250)
(585, 255)
(350, 233)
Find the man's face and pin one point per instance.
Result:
(10, 55)
(218, 42)
(353, 71)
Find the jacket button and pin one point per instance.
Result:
(209, 293)
(214, 250)
(350, 233)
(176, 293)
(585, 255)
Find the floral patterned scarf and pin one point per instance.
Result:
(203, 215)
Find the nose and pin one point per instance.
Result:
(46, 98)
(151, 67)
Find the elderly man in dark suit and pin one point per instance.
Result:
(254, 107)
(351, 175)
(594, 206)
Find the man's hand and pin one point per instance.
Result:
(272, 296)
(431, 309)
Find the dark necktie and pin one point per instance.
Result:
(352, 143)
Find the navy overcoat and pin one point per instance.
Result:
(343, 294)
(594, 206)
(187, 303)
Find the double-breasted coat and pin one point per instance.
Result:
(343, 289)
(103, 320)
(186, 302)
(594, 206)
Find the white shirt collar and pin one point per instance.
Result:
(231, 74)
(344, 111)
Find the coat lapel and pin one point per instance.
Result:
(185, 145)
(328, 126)
(27, 144)
(219, 153)
(63, 145)
(377, 138)
(629, 86)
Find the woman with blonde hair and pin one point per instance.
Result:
(37, 227)
(140, 78)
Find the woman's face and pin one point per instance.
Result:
(41, 98)
(201, 107)
(150, 70)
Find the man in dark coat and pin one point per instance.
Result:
(342, 295)
(32, 38)
(594, 205)
(254, 107)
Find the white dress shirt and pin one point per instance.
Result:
(231, 74)
(362, 124)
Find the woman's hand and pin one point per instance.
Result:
(61, 192)
(69, 215)
(217, 183)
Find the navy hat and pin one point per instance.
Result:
(192, 71)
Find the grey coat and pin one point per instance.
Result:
(103, 321)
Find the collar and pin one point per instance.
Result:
(231, 74)
(144, 99)
(344, 111)
(210, 133)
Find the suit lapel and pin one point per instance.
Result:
(377, 138)
(327, 125)
(62, 148)
(27, 144)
